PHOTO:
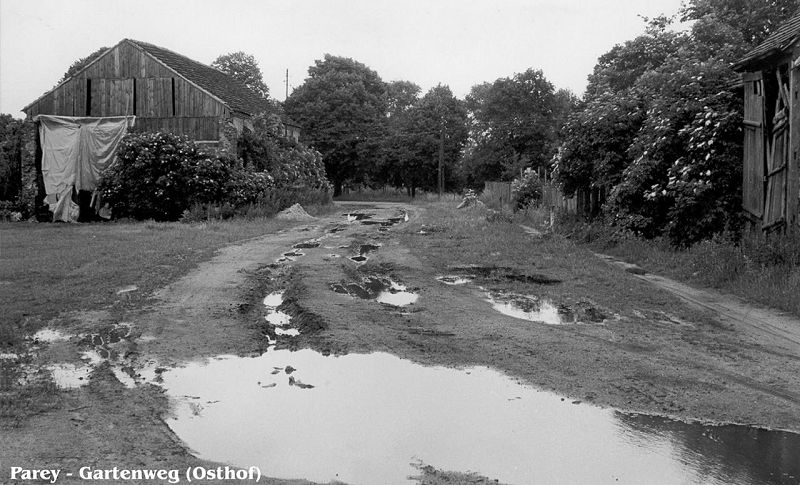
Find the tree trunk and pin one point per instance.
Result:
(337, 189)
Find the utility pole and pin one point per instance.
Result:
(287, 85)
(441, 159)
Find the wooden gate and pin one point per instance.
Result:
(754, 152)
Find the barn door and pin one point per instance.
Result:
(754, 153)
(777, 160)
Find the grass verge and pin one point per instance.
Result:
(47, 269)
(764, 271)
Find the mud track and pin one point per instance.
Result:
(692, 356)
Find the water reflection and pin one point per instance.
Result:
(726, 453)
(363, 419)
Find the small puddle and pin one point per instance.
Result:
(542, 310)
(363, 251)
(504, 273)
(277, 318)
(307, 245)
(397, 295)
(357, 216)
(364, 419)
(49, 335)
(380, 289)
(73, 376)
(387, 223)
(455, 279)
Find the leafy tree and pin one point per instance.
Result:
(437, 119)
(81, 63)
(595, 141)
(244, 68)
(754, 19)
(342, 106)
(401, 95)
(515, 121)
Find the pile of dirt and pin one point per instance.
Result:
(295, 213)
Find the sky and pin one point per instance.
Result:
(459, 43)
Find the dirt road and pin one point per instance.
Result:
(622, 342)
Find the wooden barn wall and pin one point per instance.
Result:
(197, 128)
(126, 81)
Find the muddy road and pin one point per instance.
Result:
(385, 341)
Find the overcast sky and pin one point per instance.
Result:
(455, 42)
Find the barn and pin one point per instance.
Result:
(771, 176)
(164, 90)
(132, 86)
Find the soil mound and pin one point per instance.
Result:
(295, 213)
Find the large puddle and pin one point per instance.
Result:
(364, 419)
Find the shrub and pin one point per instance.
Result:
(160, 175)
(526, 189)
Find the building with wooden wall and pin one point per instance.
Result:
(166, 91)
(771, 79)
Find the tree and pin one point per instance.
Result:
(659, 128)
(515, 121)
(342, 106)
(401, 95)
(437, 120)
(243, 67)
(754, 19)
(81, 63)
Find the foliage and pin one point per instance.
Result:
(526, 189)
(342, 106)
(595, 141)
(659, 126)
(243, 67)
(159, 175)
(754, 19)
(81, 63)
(289, 164)
(515, 121)
(437, 120)
(11, 145)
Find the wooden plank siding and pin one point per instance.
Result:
(160, 91)
(198, 128)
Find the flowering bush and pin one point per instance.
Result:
(159, 175)
(526, 189)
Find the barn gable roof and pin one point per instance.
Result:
(229, 90)
(783, 38)
(218, 84)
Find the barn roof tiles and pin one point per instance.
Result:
(786, 35)
(228, 89)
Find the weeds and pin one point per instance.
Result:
(766, 271)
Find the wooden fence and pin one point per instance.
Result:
(553, 198)
(498, 192)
